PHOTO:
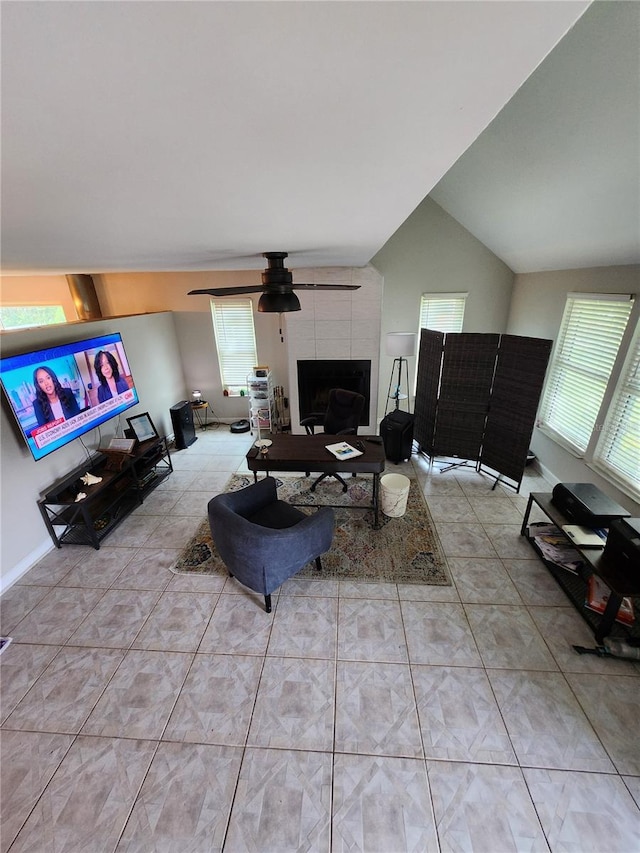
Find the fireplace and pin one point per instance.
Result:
(316, 378)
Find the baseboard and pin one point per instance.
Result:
(549, 476)
(14, 574)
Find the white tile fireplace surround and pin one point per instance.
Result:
(335, 325)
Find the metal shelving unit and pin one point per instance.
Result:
(261, 404)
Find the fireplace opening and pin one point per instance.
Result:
(316, 378)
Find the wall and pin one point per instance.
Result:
(152, 350)
(330, 325)
(125, 293)
(432, 253)
(336, 325)
(536, 309)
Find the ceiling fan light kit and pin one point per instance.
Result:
(277, 287)
(272, 302)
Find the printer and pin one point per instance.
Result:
(585, 504)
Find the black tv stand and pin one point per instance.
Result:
(124, 485)
(594, 562)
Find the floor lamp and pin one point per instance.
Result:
(401, 345)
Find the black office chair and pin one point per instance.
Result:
(341, 418)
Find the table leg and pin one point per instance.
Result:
(376, 483)
(610, 612)
(525, 520)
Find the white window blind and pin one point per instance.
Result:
(235, 341)
(619, 447)
(442, 312)
(587, 346)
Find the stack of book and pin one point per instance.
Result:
(597, 596)
(554, 547)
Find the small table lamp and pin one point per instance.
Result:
(401, 345)
(197, 397)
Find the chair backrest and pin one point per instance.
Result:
(343, 411)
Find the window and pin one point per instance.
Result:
(235, 341)
(442, 312)
(27, 316)
(586, 349)
(618, 449)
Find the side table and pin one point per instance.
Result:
(201, 413)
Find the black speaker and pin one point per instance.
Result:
(396, 430)
(182, 421)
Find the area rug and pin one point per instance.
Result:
(402, 550)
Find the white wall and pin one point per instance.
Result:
(332, 324)
(152, 350)
(432, 253)
(536, 309)
(126, 293)
(336, 325)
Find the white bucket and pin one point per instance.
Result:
(394, 491)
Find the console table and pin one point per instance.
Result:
(304, 453)
(107, 503)
(594, 562)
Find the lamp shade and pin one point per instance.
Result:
(401, 344)
(273, 302)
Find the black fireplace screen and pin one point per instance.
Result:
(316, 378)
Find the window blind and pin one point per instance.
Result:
(619, 448)
(235, 341)
(442, 312)
(587, 346)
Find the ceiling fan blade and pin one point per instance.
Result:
(297, 286)
(228, 291)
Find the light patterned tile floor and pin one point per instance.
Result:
(147, 711)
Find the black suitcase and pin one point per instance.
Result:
(396, 430)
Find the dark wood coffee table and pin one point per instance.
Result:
(306, 453)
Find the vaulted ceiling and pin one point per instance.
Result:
(195, 135)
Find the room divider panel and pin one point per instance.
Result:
(427, 385)
(468, 364)
(477, 396)
(517, 385)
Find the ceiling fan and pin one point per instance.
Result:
(277, 287)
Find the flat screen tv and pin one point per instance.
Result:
(60, 393)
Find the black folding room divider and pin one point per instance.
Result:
(477, 397)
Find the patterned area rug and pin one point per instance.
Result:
(403, 550)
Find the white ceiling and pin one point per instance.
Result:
(554, 181)
(195, 135)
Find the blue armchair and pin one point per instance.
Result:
(264, 541)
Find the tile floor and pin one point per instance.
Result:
(146, 711)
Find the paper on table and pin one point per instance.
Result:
(342, 450)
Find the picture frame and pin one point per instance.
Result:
(143, 427)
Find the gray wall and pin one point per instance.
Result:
(536, 309)
(432, 253)
(129, 293)
(152, 350)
